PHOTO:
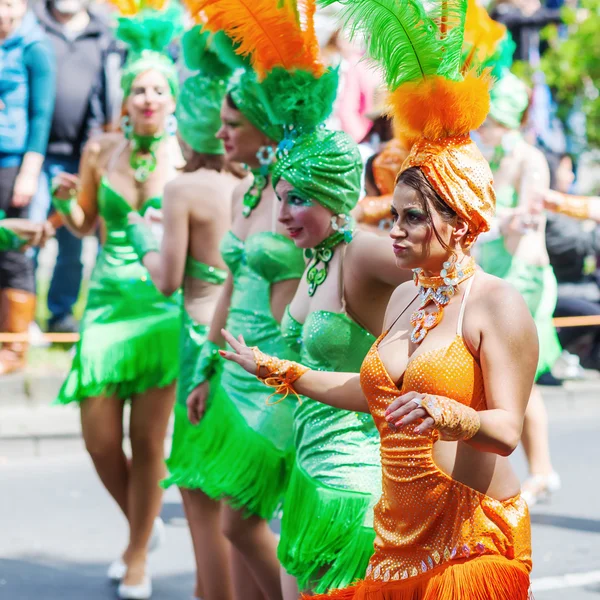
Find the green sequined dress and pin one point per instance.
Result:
(327, 528)
(537, 285)
(129, 339)
(252, 445)
(191, 443)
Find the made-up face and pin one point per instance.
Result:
(11, 15)
(307, 222)
(149, 103)
(415, 243)
(564, 175)
(241, 139)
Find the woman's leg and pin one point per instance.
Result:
(535, 435)
(254, 540)
(244, 583)
(150, 414)
(289, 586)
(211, 547)
(102, 428)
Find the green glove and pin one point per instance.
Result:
(142, 239)
(9, 240)
(64, 207)
(207, 364)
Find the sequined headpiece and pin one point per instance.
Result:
(434, 103)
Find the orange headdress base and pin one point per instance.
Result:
(436, 116)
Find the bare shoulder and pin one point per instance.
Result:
(403, 296)
(99, 148)
(498, 306)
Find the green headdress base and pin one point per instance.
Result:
(509, 100)
(199, 105)
(326, 166)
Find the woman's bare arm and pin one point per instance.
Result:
(167, 267)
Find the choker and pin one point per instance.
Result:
(437, 290)
(143, 154)
(323, 253)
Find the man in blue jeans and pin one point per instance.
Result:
(88, 65)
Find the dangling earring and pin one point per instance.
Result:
(171, 124)
(126, 126)
(266, 157)
(451, 268)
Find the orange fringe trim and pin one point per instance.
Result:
(482, 578)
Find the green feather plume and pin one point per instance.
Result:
(201, 54)
(407, 41)
(150, 29)
(225, 48)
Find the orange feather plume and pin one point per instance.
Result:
(439, 108)
(482, 34)
(273, 36)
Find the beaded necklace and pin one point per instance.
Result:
(254, 193)
(436, 290)
(143, 154)
(323, 253)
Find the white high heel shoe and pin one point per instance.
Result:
(158, 536)
(116, 570)
(141, 591)
(539, 488)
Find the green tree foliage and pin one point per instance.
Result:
(572, 65)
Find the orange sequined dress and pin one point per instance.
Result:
(437, 539)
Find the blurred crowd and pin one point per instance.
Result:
(59, 85)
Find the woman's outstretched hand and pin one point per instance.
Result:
(242, 354)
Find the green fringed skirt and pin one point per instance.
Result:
(325, 542)
(227, 459)
(129, 339)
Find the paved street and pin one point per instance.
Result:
(59, 529)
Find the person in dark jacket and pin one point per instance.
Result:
(27, 88)
(86, 100)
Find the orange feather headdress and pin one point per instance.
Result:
(435, 106)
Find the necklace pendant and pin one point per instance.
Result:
(141, 174)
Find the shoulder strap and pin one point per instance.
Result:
(463, 305)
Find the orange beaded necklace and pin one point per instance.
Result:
(436, 290)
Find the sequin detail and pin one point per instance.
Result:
(425, 518)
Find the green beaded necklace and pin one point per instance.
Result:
(143, 154)
(323, 253)
(253, 195)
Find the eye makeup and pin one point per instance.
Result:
(295, 198)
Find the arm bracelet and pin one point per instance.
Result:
(453, 420)
(208, 363)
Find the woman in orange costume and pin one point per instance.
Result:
(448, 382)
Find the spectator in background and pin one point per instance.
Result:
(87, 77)
(574, 248)
(524, 19)
(27, 87)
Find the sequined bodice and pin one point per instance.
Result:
(424, 517)
(113, 208)
(328, 341)
(336, 447)
(272, 256)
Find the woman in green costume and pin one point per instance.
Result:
(196, 216)
(327, 529)
(249, 445)
(129, 342)
(515, 250)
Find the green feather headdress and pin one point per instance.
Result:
(148, 35)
